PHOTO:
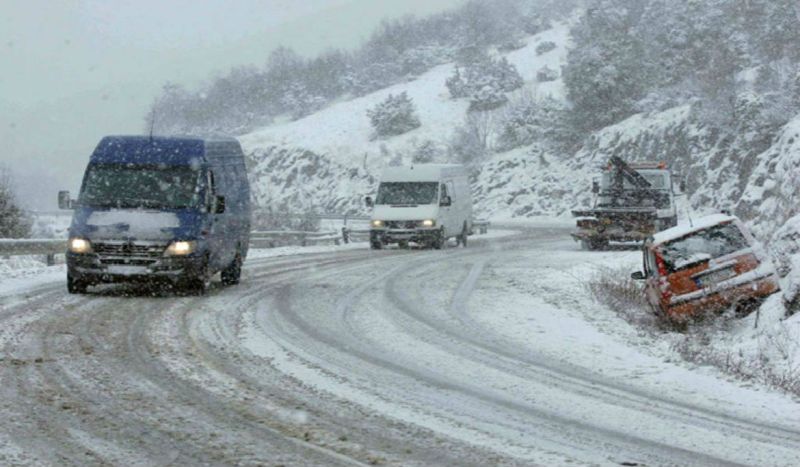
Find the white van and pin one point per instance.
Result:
(425, 204)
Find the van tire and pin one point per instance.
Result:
(462, 239)
(200, 283)
(440, 240)
(232, 275)
(76, 286)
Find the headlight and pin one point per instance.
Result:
(181, 248)
(377, 224)
(79, 245)
(428, 223)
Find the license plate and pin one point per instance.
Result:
(123, 270)
(714, 278)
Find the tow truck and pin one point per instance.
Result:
(632, 202)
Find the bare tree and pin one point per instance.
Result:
(13, 221)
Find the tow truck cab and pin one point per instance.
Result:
(174, 209)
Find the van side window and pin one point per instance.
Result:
(451, 190)
(443, 192)
(211, 188)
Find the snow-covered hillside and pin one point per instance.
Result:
(338, 139)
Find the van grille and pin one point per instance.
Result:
(402, 224)
(129, 252)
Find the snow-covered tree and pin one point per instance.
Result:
(299, 101)
(13, 221)
(394, 116)
(489, 97)
(604, 75)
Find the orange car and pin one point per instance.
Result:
(706, 268)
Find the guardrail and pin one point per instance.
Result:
(46, 246)
(274, 238)
(258, 239)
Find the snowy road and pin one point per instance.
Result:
(493, 354)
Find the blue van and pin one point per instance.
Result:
(175, 209)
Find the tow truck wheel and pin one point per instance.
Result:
(75, 286)
(233, 273)
(376, 245)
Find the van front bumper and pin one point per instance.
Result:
(420, 235)
(90, 268)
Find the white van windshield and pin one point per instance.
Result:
(408, 193)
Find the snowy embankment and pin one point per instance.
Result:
(329, 160)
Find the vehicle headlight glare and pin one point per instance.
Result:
(180, 248)
(80, 245)
(428, 223)
(377, 224)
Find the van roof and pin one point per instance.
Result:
(161, 150)
(422, 172)
(697, 225)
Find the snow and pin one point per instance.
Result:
(138, 223)
(686, 229)
(294, 159)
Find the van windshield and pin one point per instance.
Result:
(408, 193)
(136, 186)
(706, 244)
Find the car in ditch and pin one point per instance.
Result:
(705, 268)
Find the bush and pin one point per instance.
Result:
(499, 75)
(426, 153)
(546, 74)
(614, 288)
(394, 116)
(545, 47)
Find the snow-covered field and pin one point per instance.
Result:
(493, 354)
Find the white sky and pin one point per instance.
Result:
(73, 71)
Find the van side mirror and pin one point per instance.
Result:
(368, 201)
(446, 201)
(64, 201)
(682, 186)
(638, 276)
(219, 206)
(595, 187)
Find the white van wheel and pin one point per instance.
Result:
(462, 239)
(440, 241)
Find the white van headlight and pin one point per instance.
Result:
(429, 223)
(79, 245)
(180, 248)
(377, 224)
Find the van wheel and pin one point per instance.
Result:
(462, 239)
(200, 283)
(232, 274)
(76, 286)
(440, 240)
